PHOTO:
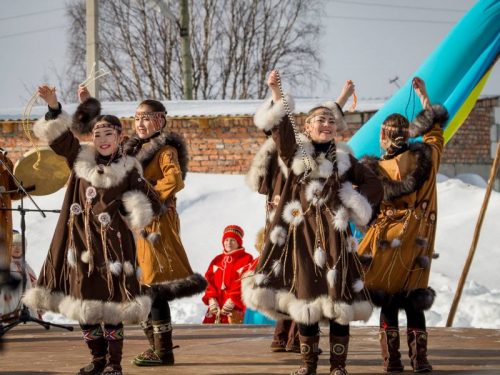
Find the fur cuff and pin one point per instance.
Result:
(180, 288)
(88, 311)
(50, 130)
(269, 114)
(426, 119)
(420, 299)
(85, 113)
(138, 208)
(360, 209)
(337, 114)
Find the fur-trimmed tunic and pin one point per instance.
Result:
(399, 246)
(90, 274)
(160, 253)
(308, 270)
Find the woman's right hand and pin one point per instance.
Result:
(83, 93)
(272, 82)
(48, 94)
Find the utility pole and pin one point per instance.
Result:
(187, 59)
(183, 24)
(92, 46)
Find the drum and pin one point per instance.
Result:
(52, 173)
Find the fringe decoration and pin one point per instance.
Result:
(72, 257)
(320, 257)
(331, 277)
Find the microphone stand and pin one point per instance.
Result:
(25, 315)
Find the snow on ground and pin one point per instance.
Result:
(210, 202)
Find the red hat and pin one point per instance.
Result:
(233, 231)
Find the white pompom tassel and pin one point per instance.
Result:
(72, 258)
(331, 277)
(260, 279)
(115, 268)
(358, 286)
(277, 268)
(320, 257)
(128, 268)
(85, 257)
(395, 243)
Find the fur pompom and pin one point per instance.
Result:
(421, 242)
(382, 244)
(358, 286)
(85, 257)
(331, 277)
(115, 268)
(72, 257)
(292, 213)
(423, 261)
(154, 238)
(278, 235)
(128, 268)
(277, 268)
(260, 279)
(395, 243)
(366, 259)
(320, 257)
(435, 255)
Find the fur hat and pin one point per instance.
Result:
(85, 113)
(235, 232)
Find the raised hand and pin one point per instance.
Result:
(83, 93)
(346, 93)
(48, 94)
(421, 91)
(272, 82)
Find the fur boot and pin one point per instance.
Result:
(309, 354)
(162, 354)
(94, 338)
(389, 344)
(339, 346)
(114, 337)
(417, 345)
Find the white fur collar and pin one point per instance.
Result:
(321, 166)
(260, 164)
(86, 168)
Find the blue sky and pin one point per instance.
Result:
(368, 41)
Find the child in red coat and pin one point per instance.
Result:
(223, 294)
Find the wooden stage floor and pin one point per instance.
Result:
(236, 350)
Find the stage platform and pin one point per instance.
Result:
(237, 350)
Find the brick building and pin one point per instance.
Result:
(221, 137)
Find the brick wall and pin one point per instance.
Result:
(227, 144)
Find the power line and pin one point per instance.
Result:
(31, 14)
(32, 32)
(390, 19)
(400, 6)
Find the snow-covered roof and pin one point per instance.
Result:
(191, 108)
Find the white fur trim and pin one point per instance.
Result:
(358, 285)
(341, 219)
(314, 191)
(85, 256)
(139, 209)
(271, 302)
(50, 130)
(260, 164)
(278, 235)
(331, 277)
(88, 311)
(115, 268)
(292, 213)
(269, 114)
(86, 167)
(337, 114)
(321, 166)
(360, 208)
(320, 257)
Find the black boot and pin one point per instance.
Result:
(389, 343)
(339, 345)
(417, 345)
(94, 338)
(163, 354)
(114, 337)
(309, 354)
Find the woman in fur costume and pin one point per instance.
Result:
(166, 272)
(90, 274)
(399, 246)
(309, 270)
